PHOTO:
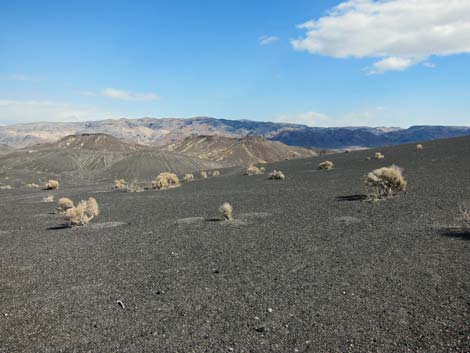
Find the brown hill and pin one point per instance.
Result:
(238, 151)
(98, 156)
(92, 142)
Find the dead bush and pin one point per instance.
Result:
(51, 185)
(188, 177)
(226, 210)
(166, 180)
(120, 184)
(464, 209)
(32, 186)
(385, 182)
(277, 175)
(83, 213)
(378, 155)
(64, 204)
(326, 165)
(419, 147)
(215, 173)
(204, 174)
(48, 198)
(92, 209)
(134, 187)
(253, 170)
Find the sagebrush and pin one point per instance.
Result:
(166, 180)
(326, 165)
(385, 182)
(226, 209)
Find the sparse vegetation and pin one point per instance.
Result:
(419, 147)
(120, 184)
(51, 185)
(48, 198)
(326, 165)
(188, 177)
(378, 155)
(83, 213)
(134, 187)
(465, 214)
(253, 170)
(166, 180)
(385, 182)
(64, 204)
(277, 175)
(226, 210)
(32, 186)
(204, 174)
(5, 187)
(215, 173)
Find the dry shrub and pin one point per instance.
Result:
(253, 170)
(277, 174)
(215, 173)
(120, 184)
(263, 169)
(419, 147)
(226, 210)
(64, 204)
(48, 198)
(166, 180)
(204, 174)
(32, 186)
(385, 182)
(378, 155)
(188, 177)
(51, 185)
(465, 213)
(83, 213)
(5, 187)
(134, 187)
(326, 165)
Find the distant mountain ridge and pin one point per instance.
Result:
(160, 132)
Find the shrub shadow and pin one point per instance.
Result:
(213, 220)
(460, 233)
(59, 226)
(357, 197)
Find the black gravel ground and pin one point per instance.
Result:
(305, 266)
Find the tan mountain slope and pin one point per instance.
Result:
(99, 156)
(238, 151)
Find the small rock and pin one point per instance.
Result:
(260, 329)
(121, 304)
(270, 310)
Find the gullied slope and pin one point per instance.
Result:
(98, 157)
(238, 151)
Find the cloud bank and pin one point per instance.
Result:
(124, 95)
(399, 33)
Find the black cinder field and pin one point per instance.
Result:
(307, 264)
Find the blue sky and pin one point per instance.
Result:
(322, 63)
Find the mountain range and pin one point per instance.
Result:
(161, 132)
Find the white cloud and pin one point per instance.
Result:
(306, 118)
(366, 117)
(124, 95)
(22, 111)
(400, 33)
(265, 40)
(429, 65)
